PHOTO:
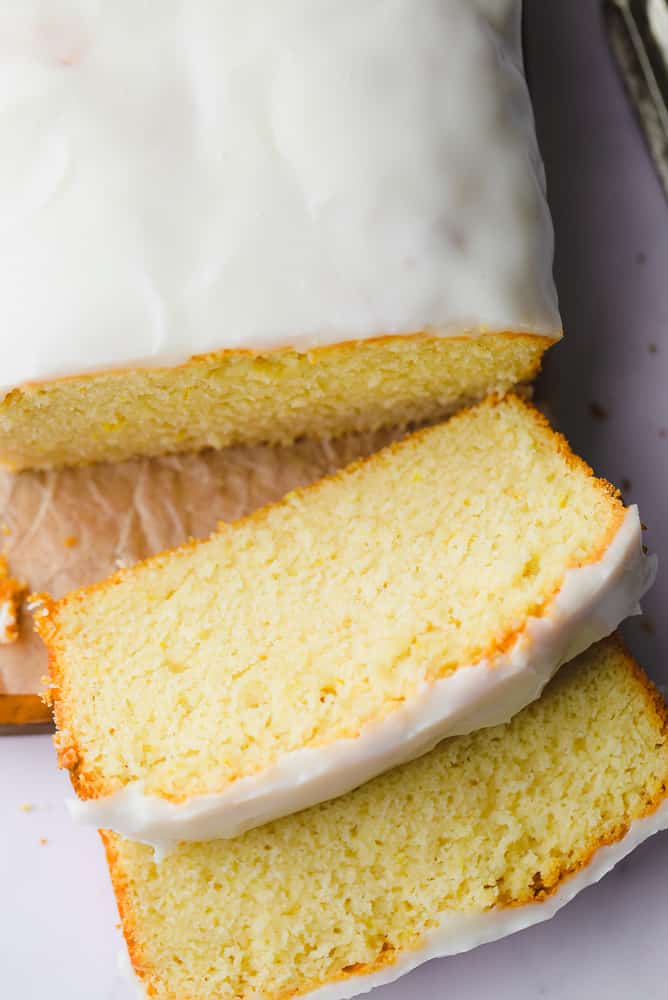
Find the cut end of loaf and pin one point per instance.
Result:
(239, 396)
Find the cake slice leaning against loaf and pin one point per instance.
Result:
(425, 592)
(488, 834)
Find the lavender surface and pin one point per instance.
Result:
(606, 384)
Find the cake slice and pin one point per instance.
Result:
(427, 591)
(307, 218)
(488, 834)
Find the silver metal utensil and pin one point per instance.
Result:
(638, 35)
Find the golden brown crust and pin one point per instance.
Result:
(129, 925)
(67, 751)
(215, 357)
(89, 783)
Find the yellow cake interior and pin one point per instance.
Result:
(239, 396)
(494, 819)
(303, 623)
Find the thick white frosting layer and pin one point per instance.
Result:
(592, 601)
(177, 178)
(460, 932)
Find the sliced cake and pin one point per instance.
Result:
(427, 591)
(488, 834)
(306, 217)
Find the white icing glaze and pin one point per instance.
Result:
(460, 932)
(592, 601)
(177, 178)
(125, 967)
(7, 622)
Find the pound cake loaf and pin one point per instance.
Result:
(295, 217)
(427, 591)
(488, 834)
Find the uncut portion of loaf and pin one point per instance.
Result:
(277, 227)
(483, 825)
(316, 618)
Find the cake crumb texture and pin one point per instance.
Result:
(492, 820)
(321, 614)
(239, 396)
